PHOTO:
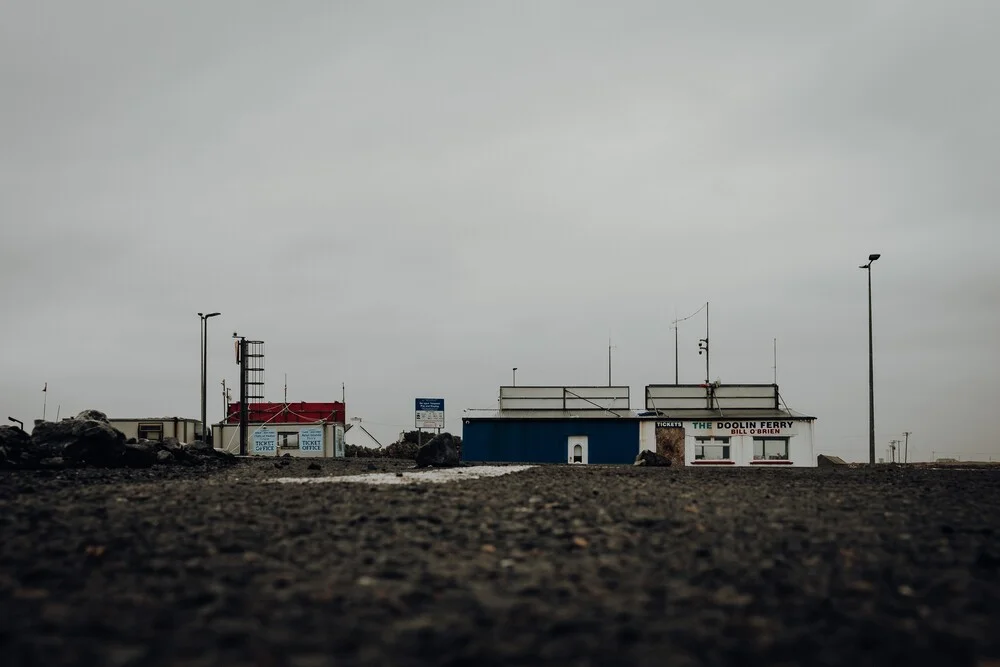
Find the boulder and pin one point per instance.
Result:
(648, 458)
(440, 452)
(80, 441)
(94, 416)
(825, 461)
(139, 455)
(13, 443)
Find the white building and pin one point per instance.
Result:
(726, 425)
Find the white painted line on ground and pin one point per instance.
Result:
(431, 476)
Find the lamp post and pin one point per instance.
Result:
(204, 364)
(513, 372)
(871, 364)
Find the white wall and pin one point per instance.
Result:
(227, 437)
(741, 434)
(185, 430)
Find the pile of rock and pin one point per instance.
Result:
(439, 452)
(648, 458)
(89, 439)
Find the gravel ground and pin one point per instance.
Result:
(554, 565)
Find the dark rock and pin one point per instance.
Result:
(440, 452)
(53, 463)
(13, 443)
(94, 416)
(80, 441)
(139, 456)
(131, 441)
(315, 466)
(163, 456)
(825, 461)
(648, 458)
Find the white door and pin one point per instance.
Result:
(577, 449)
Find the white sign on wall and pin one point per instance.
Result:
(311, 439)
(338, 444)
(760, 428)
(429, 413)
(264, 441)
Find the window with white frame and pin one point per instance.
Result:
(712, 449)
(770, 449)
(288, 439)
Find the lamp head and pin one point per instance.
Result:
(873, 257)
(212, 315)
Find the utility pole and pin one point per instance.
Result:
(775, 362)
(906, 447)
(241, 359)
(892, 448)
(871, 362)
(703, 347)
(609, 361)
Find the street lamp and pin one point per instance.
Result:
(871, 364)
(204, 363)
(514, 378)
(20, 424)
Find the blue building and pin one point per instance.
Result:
(555, 425)
(551, 440)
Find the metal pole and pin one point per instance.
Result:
(677, 372)
(776, 362)
(609, 362)
(871, 374)
(204, 358)
(906, 447)
(708, 374)
(244, 411)
(513, 377)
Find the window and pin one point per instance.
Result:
(711, 449)
(577, 454)
(288, 439)
(770, 449)
(150, 432)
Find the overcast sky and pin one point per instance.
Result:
(413, 198)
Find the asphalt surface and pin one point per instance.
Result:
(554, 565)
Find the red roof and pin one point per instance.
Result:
(289, 413)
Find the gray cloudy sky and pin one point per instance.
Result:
(412, 198)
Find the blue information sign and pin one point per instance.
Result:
(429, 413)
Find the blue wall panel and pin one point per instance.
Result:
(545, 440)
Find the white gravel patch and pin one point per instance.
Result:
(430, 476)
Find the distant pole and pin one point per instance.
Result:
(775, 362)
(513, 379)
(906, 447)
(609, 362)
(677, 368)
(45, 399)
(343, 393)
(871, 363)
(225, 403)
(286, 389)
(703, 348)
